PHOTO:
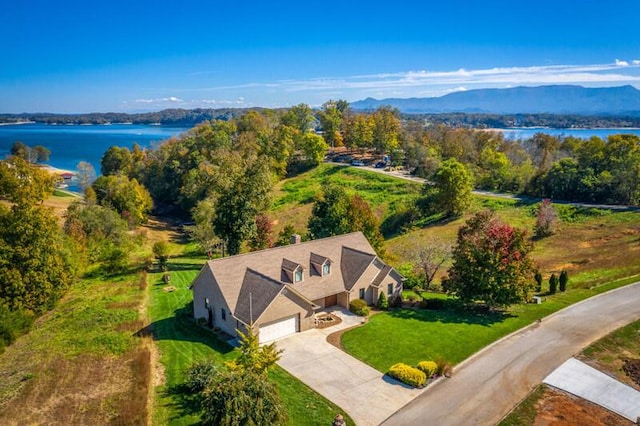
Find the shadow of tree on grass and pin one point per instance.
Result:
(454, 313)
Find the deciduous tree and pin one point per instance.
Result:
(491, 263)
(546, 219)
(453, 184)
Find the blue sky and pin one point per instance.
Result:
(139, 55)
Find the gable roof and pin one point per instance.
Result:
(259, 276)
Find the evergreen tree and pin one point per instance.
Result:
(553, 284)
(563, 280)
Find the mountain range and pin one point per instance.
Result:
(554, 99)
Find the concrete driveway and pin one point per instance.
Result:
(362, 391)
(485, 387)
(588, 383)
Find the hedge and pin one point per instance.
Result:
(407, 374)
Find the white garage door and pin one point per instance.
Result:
(278, 329)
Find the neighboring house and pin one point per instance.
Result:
(279, 290)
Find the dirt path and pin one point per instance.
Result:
(488, 385)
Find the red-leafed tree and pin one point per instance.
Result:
(491, 263)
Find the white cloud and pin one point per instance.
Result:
(621, 63)
(172, 99)
(636, 62)
(455, 89)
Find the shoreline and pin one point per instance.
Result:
(17, 123)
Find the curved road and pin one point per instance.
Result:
(488, 385)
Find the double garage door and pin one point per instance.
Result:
(278, 329)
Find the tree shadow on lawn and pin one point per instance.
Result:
(182, 327)
(183, 402)
(453, 314)
(178, 266)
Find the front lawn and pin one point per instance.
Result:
(182, 343)
(410, 336)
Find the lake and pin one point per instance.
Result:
(70, 144)
(525, 133)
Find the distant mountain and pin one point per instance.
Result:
(558, 99)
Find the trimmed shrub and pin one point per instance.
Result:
(407, 374)
(200, 375)
(538, 278)
(553, 284)
(383, 303)
(563, 280)
(428, 367)
(359, 307)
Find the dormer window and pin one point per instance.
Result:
(292, 272)
(320, 265)
(326, 268)
(298, 275)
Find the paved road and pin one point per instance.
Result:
(402, 174)
(488, 385)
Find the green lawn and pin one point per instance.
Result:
(410, 336)
(181, 343)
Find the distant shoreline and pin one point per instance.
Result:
(17, 123)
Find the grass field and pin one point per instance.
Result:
(83, 363)
(181, 343)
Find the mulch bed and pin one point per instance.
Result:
(632, 368)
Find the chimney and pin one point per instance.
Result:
(296, 239)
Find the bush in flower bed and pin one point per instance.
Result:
(444, 368)
(359, 307)
(407, 374)
(429, 368)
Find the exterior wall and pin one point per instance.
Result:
(285, 306)
(205, 286)
(343, 299)
(319, 302)
(364, 282)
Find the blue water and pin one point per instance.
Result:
(71, 144)
(525, 133)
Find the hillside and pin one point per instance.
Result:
(554, 99)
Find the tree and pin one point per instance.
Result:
(427, 258)
(262, 237)
(23, 184)
(359, 131)
(253, 357)
(161, 252)
(331, 117)
(386, 129)
(546, 219)
(563, 280)
(40, 154)
(313, 148)
(236, 399)
(116, 160)
(383, 303)
(86, 175)
(21, 150)
(126, 196)
(491, 263)
(553, 284)
(284, 237)
(239, 202)
(335, 212)
(453, 184)
(299, 117)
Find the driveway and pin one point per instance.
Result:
(362, 391)
(485, 387)
(588, 383)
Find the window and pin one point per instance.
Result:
(223, 314)
(298, 275)
(326, 268)
(361, 293)
(390, 289)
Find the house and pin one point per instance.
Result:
(279, 290)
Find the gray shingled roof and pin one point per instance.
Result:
(350, 254)
(256, 294)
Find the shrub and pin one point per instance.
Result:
(563, 280)
(395, 302)
(433, 303)
(413, 297)
(200, 375)
(538, 278)
(359, 307)
(428, 367)
(383, 303)
(13, 324)
(407, 374)
(553, 283)
(444, 368)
